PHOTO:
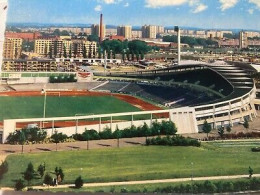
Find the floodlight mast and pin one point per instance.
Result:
(177, 29)
(3, 15)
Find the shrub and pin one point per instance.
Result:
(173, 141)
(63, 79)
(34, 135)
(79, 182)
(255, 149)
(3, 169)
(19, 185)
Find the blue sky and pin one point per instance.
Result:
(194, 13)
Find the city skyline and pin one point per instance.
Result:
(229, 14)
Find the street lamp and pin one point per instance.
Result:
(44, 104)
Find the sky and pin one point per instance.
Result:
(208, 14)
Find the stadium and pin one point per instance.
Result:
(186, 94)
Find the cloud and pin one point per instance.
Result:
(251, 11)
(227, 4)
(164, 3)
(126, 5)
(200, 8)
(98, 8)
(109, 1)
(256, 2)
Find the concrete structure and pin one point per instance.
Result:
(95, 30)
(12, 48)
(61, 47)
(243, 42)
(136, 34)
(3, 14)
(149, 32)
(24, 35)
(184, 120)
(125, 31)
(228, 111)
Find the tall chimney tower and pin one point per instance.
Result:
(101, 29)
(177, 29)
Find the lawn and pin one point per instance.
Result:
(139, 163)
(32, 107)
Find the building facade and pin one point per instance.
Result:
(65, 48)
(125, 31)
(12, 48)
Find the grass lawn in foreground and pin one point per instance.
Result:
(32, 107)
(139, 163)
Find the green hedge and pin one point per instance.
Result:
(63, 79)
(207, 187)
(163, 128)
(255, 149)
(176, 140)
(31, 135)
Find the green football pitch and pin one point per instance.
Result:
(32, 107)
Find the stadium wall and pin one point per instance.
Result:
(184, 119)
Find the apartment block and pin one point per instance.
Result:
(65, 47)
(149, 32)
(125, 31)
(12, 48)
(95, 30)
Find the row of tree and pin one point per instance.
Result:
(191, 41)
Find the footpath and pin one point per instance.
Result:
(124, 183)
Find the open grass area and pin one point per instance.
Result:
(32, 107)
(139, 163)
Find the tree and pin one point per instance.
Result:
(99, 52)
(29, 173)
(206, 128)
(87, 136)
(41, 169)
(46, 50)
(70, 53)
(47, 179)
(246, 124)
(55, 49)
(123, 56)
(128, 55)
(117, 135)
(221, 131)
(59, 174)
(22, 138)
(19, 185)
(93, 38)
(50, 52)
(142, 55)
(229, 128)
(250, 172)
(64, 52)
(84, 51)
(58, 137)
(79, 182)
(146, 130)
(3, 169)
